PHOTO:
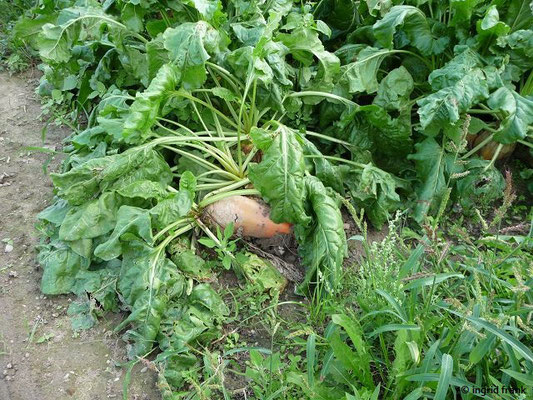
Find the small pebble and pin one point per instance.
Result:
(27, 355)
(8, 378)
(9, 366)
(8, 248)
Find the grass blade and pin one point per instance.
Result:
(430, 280)
(445, 377)
(394, 327)
(311, 341)
(526, 379)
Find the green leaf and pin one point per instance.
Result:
(27, 29)
(526, 379)
(145, 109)
(445, 377)
(144, 189)
(455, 69)
(323, 242)
(92, 219)
(86, 180)
(443, 108)
(394, 327)
(209, 9)
(303, 43)
(53, 45)
(172, 208)
(490, 26)
(462, 11)
(519, 46)
(394, 90)
(311, 352)
(517, 345)
(380, 7)
(261, 273)
(431, 280)
(413, 22)
(479, 352)
(187, 47)
(280, 177)
(518, 112)
(60, 267)
(130, 220)
(432, 163)
(361, 75)
(330, 175)
(204, 295)
(376, 192)
(55, 214)
(132, 16)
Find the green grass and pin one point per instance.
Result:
(14, 56)
(421, 317)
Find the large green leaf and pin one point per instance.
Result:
(394, 90)
(432, 164)
(413, 22)
(518, 112)
(187, 47)
(145, 109)
(490, 27)
(60, 267)
(172, 208)
(519, 46)
(130, 220)
(361, 75)
(303, 43)
(92, 219)
(329, 175)
(375, 190)
(147, 281)
(86, 180)
(323, 242)
(462, 11)
(280, 177)
(444, 108)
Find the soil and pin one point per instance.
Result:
(41, 357)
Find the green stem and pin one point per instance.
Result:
(209, 186)
(474, 111)
(249, 158)
(196, 100)
(328, 138)
(479, 146)
(173, 225)
(234, 82)
(322, 94)
(355, 164)
(530, 145)
(228, 188)
(195, 158)
(167, 140)
(527, 89)
(241, 192)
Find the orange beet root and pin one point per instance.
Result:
(249, 217)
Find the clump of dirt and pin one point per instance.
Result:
(41, 357)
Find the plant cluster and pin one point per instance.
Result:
(177, 105)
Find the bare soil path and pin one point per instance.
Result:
(41, 357)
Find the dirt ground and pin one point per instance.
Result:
(41, 357)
